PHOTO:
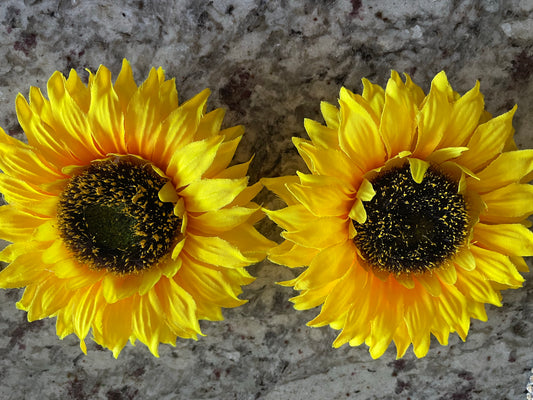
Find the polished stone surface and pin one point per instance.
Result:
(270, 63)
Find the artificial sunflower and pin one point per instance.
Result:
(123, 214)
(413, 216)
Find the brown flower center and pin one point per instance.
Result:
(412, 227)
(110, 216)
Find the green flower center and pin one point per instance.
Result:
(110, 216)
(412, 227)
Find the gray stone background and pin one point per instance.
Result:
(270, 63)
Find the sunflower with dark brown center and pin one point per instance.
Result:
(413, 216)
(124, 215)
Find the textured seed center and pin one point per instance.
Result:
(412, 227)
(110, 216)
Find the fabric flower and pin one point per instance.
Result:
(123, 214)
(413, 216)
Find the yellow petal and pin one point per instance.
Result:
(448, 274)
(291, 255)
(358, 212)
(322, 200)
(179, 207)
(507, 168)
(322, 233)
(508, 239)
(465, 260)
(22, 271)
(519, 263)
(330, 162)
(249, 241)
(233, 172)
(27, 197)
(279, 187)
(146, 321)
(76, 276)
(222, 220)
(79, 92)
(177, 250)
(216, 251)
(511, 203)
(359, 137)
(142, 118)
(402, 340)
(64, 325)
(223, 157)
(328, 265)
(313, 297)
(16, 225)
(496, 267)
(41, 136)
(434, 117)
(331, 114)
(13, 250)
(374, 95)
(418, 169)
(232, 132)
(189, 163)
(171, 266)
(211, 194)
(115, 322)
(213, 284)
(366, 191)
(20, 161)
(398, 119)
(473, 285)
(115, 287)
(418, 321)
(488, 141)
(357, 325)
(71, 122)
(416, 92)
(105, 114)
(245, 197)
(210, 124)
(320, 135)
(385, 322)
(452, 306)
(86, 304)
(430, 283)
(477, 311)
(464, 118)
(445, 154)
(179, 307)
(338, 301)
(168, 96)
(125, 85)
(48, 297)
(168, 194)
(56, 252)
(179, 128)
(150, 277)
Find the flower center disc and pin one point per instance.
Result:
(110, 216)
(412, 227)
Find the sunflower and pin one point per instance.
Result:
(413, 216)
(123, 214)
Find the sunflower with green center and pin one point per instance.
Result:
(123, 214)
(413, 216)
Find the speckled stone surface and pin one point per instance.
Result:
(270, 63)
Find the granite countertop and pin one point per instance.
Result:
(270, 63)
